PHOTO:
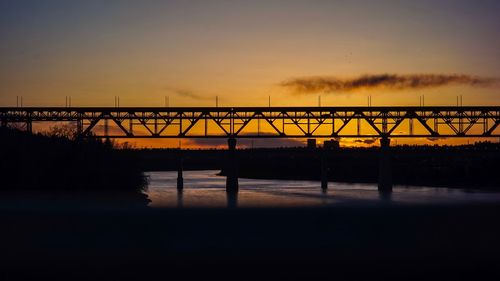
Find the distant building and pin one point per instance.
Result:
(331, 144)
(311, 143)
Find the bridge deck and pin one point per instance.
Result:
(265, 122)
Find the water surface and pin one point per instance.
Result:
(206, 189)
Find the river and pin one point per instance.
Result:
(206, 189)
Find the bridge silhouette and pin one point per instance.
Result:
(287, 122)
(384, 122)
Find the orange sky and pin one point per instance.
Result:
(241, 51)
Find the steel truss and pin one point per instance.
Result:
(285, 122)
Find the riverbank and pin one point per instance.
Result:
(466, 166)
(37, 162)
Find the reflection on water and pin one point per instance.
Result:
(206, 189)
(232, 199)
(385, 195)
(179, 197)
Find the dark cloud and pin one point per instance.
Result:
(249, 142)
(433, 139)
(309, 85)
(274, 142)
(366, 141)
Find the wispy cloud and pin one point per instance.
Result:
(188, 94)
(329, 84)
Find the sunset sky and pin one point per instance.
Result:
(244, 51)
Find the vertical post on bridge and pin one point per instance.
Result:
(385, 166)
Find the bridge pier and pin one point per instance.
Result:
(231, 167)
(324, 170)
(3, 120)
(385, 166)
(180, 179)
(180, 198)
(79, 127)
(29, 126)
(232, 199)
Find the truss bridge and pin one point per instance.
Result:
(265, 122)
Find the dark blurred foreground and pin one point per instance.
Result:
(358, 243)
(58, 162)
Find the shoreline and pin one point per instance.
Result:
(220, 173)
(467, 166)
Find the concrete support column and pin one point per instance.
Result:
(324, 170)
(3, 120)
(79, 127)
(180, 199)
(385, 166)
(180, 179)
(232, 199)
(231, 167)
(29, 126)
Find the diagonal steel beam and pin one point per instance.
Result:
(92, 124)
